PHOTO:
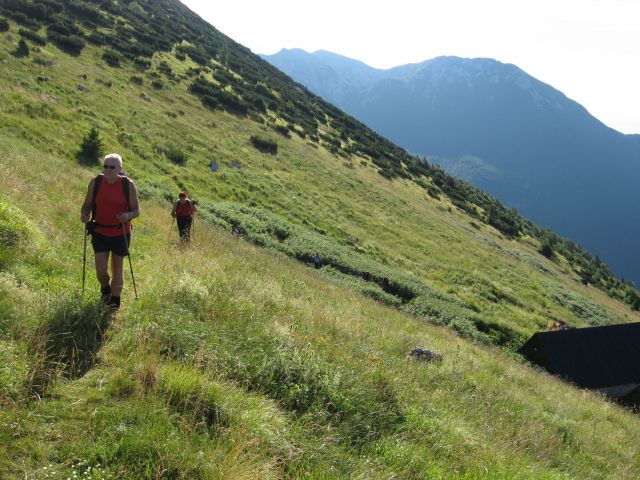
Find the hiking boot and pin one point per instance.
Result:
(113, 304)
(105, 293)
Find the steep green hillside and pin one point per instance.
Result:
(227, 76)
(238, 362)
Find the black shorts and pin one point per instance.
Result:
(117, 245)
(184, 225)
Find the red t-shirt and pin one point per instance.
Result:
(110, 200)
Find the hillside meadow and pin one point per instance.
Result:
(242, 362)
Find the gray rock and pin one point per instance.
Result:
(145, 97)
(423, 355)
(81, 87)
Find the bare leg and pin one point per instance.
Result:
(117, 270)
(102, 268)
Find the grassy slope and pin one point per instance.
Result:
(225, 367)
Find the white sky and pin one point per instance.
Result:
(588, 49)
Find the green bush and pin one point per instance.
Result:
(210, 101)
(157, 84)
(583, 307)
(282, 130)
(264, 144)
(142, 63)
(4, 25)
(165, 68)
(341, 263)
(91, 148)
(112, 58)
(137, 79)
(232, 102)
(546, 249)
(22, 50)
(32, 36)
(176, 155)
(71, 44)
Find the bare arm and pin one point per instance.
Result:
(134, 205)
(87, 206)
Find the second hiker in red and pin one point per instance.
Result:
(183, 212)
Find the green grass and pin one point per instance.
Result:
(242, 362)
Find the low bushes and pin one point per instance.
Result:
(72, 44)
(176, 155)
(112, 58)
(368, 277)
(32, 36)
(264, 144)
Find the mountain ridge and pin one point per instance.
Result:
(548, 148)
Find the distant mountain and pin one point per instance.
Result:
(509, 134)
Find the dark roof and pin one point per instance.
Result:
(596, 357)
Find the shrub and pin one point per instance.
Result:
(157, 84)
(282, 130)
(4, 25)
(71, 44)
(264, 144)
(142, 63)
(546, 249)
(22, 19)
(232, 102)
(112, 58)
(176, 155)
(165, 68)
(91, 148)
(138, 80)
(32, 36)
(22, 50)
(210, 101)
(196, 53)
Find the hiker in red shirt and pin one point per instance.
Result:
(109, 206)
(183, 212)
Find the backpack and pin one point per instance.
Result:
(96, 186)
(188, 203)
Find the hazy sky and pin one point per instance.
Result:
(588, 49)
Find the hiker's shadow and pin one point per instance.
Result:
(67, 343)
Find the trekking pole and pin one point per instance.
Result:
(192, 234)
(126, 242)
(171, 229)
(84, 260)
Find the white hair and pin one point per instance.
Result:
(114, 156)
